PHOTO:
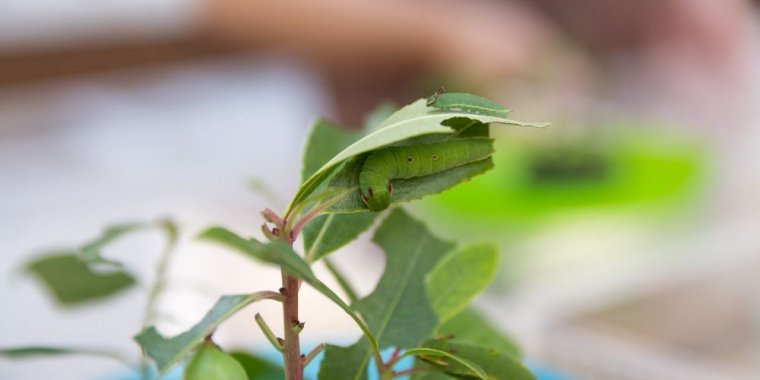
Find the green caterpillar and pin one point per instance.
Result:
(465, 103)
(408, 161)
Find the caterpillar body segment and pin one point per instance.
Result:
(409, 161)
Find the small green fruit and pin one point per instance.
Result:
(211, 363)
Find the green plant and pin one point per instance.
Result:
(419, 307)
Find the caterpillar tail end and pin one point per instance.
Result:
(376, 200)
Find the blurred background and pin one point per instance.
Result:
(629, 228)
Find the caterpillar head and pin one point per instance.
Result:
(377, 199)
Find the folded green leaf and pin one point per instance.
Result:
(73, 281)
(168, 351)
(324, 141)
(413, 120)
(346, 180)
(459, 277)
(404, 190)
(326, 234)
(377, 116)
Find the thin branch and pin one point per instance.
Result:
(314, 212)
(313, 354)
(311, 214)
(159, 284)
(292, 349)
(394, 358)
(271, 217)
(312, 199)
(268, 332)
(270, 295)
(291, 352)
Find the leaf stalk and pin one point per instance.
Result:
(274, 340)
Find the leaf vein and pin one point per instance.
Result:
(318, 240)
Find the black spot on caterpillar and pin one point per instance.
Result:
(408, 161)
(465, 103)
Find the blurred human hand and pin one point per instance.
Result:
(472, 40)
(484, 46)
(374, 50)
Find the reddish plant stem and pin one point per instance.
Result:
(311, 214)
(313, 354)
(272, 217)
(394, 358)
(292, 349)
(308, 217)
(294, 362)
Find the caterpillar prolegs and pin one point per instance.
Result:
(408, 161)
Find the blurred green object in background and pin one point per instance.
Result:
(618, 169)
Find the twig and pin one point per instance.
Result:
(313, 354)
(271, 217)
(292, 349)
(313, 213)
(158, 286)
(275, 341)
(394, 358)
(163, 265)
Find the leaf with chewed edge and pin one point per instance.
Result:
(73, 281)
(397, 311)
(168, 351)
(91, 251)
